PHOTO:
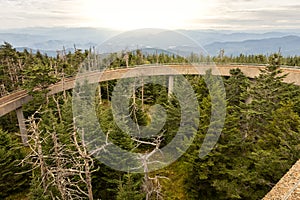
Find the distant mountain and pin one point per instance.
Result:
(55, 38)
(51, 53)
(208, 37)
(62, 33)
(21, 39)
(52, 39)
(289, 45)
(151, 38)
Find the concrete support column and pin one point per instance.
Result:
(22, 125)
(171, 85)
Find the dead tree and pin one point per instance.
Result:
(126, 58)
(151, 185)
(36, 157)
(87, 164)
(58, 173)
(65, 166)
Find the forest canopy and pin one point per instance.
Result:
(258, 144)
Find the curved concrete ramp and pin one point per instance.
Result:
(288, 188)
(17, 99)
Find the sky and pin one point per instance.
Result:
(167, 14)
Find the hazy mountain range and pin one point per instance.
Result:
(49, 40)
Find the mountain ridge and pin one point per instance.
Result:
(288, 45)
(53, 39)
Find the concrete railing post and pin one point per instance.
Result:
(22, 125)
(171, 85)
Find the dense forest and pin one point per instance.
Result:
(258, 144)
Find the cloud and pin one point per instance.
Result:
(19, 13)
(286, 14)
(252, 14)
(239, 14)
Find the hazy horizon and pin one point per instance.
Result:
(226, 31)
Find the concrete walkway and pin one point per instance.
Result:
(288, 188)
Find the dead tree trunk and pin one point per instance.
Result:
(88, 162)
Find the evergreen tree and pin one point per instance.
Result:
(130, 188)
(12, 180)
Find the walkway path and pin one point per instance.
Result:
(288, 188)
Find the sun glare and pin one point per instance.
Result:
(134, 14)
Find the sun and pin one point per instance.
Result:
(135, 14)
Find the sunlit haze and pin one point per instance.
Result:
(140, 14)
(133, 14)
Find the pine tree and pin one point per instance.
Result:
(130, 188)
(12, 180)
(266, 94)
